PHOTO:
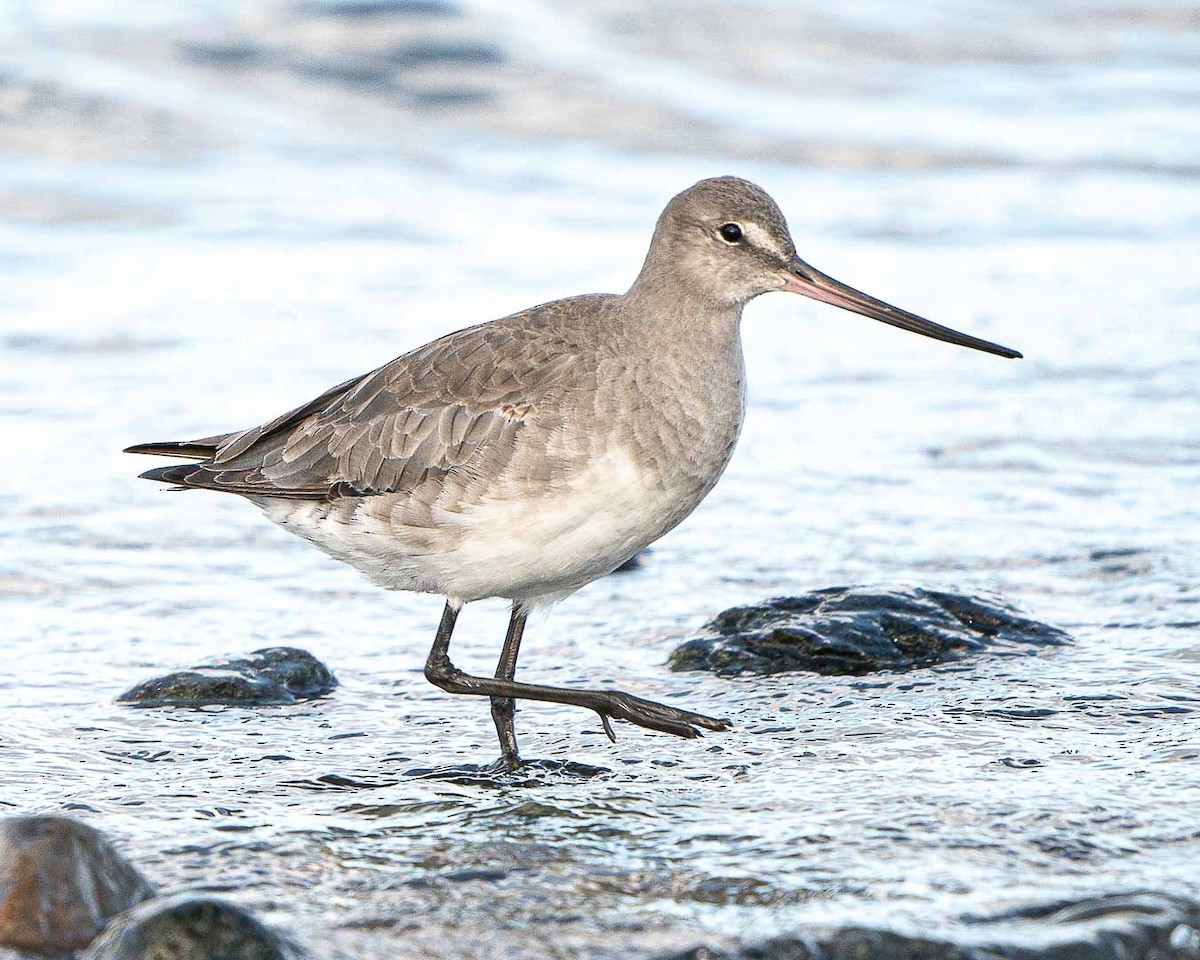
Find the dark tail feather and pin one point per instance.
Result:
(177, 474)
(191, 449)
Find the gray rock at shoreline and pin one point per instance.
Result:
(270, 677)
(188, 927)
(856, 630)
(60, 882)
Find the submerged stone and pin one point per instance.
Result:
(187, 927)
(856, 630)
(269, 677)
(60, 882)
(1142, 926)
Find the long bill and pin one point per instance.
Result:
(810, 282)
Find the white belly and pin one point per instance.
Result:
(526, 545)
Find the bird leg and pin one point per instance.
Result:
(610, 705)
(504, 709)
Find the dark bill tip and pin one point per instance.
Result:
(809, 282)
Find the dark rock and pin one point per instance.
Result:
(855, 630)
(1123, 927)
(187, 927)
(60, 882)
(274, 676)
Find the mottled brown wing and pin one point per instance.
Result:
(423, 415)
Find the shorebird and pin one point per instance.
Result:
(526, 457)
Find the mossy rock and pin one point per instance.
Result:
(859, 630)
(60, 882)
(187, 927)
(270, 677)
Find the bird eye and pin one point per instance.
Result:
(730, 232)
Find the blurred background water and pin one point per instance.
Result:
(211, 212)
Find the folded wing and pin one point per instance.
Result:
(447, 406)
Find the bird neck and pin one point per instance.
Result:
(661, 309)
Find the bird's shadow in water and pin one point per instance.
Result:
(531, 773)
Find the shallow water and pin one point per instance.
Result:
(207, 218)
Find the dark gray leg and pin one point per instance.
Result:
(504, 709)
(610, 705)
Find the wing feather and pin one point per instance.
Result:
(452, 405)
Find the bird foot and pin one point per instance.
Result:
(653, 716)
(506, 764)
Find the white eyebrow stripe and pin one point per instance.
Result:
(758, 237)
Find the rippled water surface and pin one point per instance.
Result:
(211, 215)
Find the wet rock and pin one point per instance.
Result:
(269, 677)
(188, 927)
(1125, 927)
(60, 882)
(856, 630)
